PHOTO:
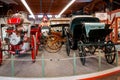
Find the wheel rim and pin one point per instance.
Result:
(110, 52)
(53, 44)
(51, 50)
(33, 45)
(82, 53)
(82, 58)
(68, 47)
(37, 41)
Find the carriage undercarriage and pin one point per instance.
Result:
(108, 48)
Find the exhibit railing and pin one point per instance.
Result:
(55, 67)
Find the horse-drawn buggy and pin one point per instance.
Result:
(21, 36)
(54, 35)
(86, 34)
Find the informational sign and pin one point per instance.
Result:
(101, 16)
(59, 20)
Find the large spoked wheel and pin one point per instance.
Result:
(33, 46)
(37, 42)
(53, 44)
(110, 52)
(68, 46)
(82, 53)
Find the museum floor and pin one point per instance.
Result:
(55, 65)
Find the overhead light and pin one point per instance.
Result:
(49, 16)
(66, 7)
(30, 16)
(40, 16)
(28, 8)
(83, 0)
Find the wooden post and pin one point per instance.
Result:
(74, 64)
(99, 60)
(12, 65)
(117, 58)
(43, 66)
(116, 31)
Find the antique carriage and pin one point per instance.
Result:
(53, 35)
(86, 34)
(21, 36)
(52, 39)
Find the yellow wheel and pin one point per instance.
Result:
(53, 44)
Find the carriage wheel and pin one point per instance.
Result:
(51, 50)
(110, 52)
(53, 44)
(68, 46)
(33, 46)
(37, 42)
(82, 53)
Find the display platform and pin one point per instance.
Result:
(56, 66)
(111, 74)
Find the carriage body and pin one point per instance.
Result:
(88, 29)
(21, 36)
(87, 32)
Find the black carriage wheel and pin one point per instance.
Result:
(82, 53)
(110, 52)
(68, 46)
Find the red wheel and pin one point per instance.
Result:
(37, 42)
(0, 53)
(33, 46)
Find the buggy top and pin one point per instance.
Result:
(89, 26)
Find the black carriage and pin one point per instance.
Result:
(86, 34)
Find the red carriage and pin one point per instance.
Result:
(21, 37)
